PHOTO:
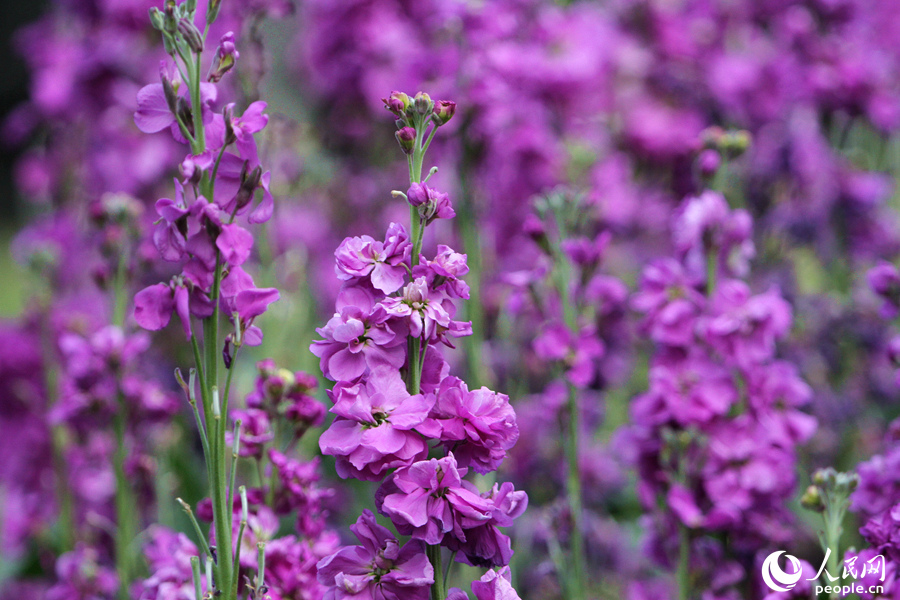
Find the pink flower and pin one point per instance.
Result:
(427, 500)
(373, 431)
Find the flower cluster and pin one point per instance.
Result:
(717, 429)
(395, 401)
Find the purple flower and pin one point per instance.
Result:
(556, 342)
(884, 279)
(495, 585)
(687, 390)
(373, 431)
(427, 500)
(225, 58)
(444, 272)
(154, 305)
(377, 569)
(382, 262)
(255, 433)
(745, 327)
(357, 338)
(168, 556)
(240, 297)
(234, 243)
(169, 235)
(478, 426)
(705, 225)
(431, 203)
(670, 302)
(484, 545)
(425, 317)
(81, 577)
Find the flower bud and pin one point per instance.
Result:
(249, 182)
(417, 194)
(228, 117)
(191, 35)
(226, 56)
(170, 25)
(444, 111)
(213, 11)
(423, 104)
(406, 137)
(183, 110)
(397, 103)
(812, 499)
(191, 6)
(157, 19)
(708, 162)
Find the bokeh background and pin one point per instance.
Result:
(598, 119)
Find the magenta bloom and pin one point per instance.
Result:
(428, 501)
(358, 338)
(431, 203)
(885, 281)
(373, 431)
(169, 557)
(478, 426)
(256, 431)
(685, 390)
(743, 327)
(378, 569)
(425, 316)
(484, 545)
(381, 262)
(670, 302)
(495, 585)
(443, 273)
(579, 354)
(169, 235)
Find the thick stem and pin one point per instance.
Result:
(437, 590)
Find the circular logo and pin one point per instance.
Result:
(775, 578)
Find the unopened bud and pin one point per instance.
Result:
(423, 104)
(228, 116)
(191, 35)
(157, 19)
(708, 162)
(249, 182)
(170, 25)
(397, 103)
(169, 92)
(213, 11)
(183, 110)
(444, 111)
(226, 57)
(191, 6)
(406, 137)
(812, 499)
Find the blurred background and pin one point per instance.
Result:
(591, 123)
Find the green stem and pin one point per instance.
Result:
(577, 579)
(712, 268)
(197, 109)
(437, 590)
(683, 574)
(577, 571)
(125, 504)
